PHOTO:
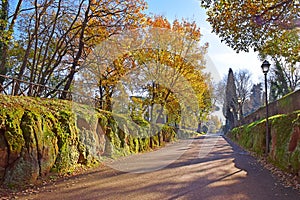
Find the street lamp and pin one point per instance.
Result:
(265, 68)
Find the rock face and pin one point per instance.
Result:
(295, 139)
(41, 135)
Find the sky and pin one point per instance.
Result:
(220, 56)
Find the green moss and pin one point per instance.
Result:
(282, 127)
(182, 134)
(67, 136)
(47, 144)
(48, 130)
(296, 121)
(295, 161)
(252, 137)
(144, 144)
(253, 124)
(13, 133)
(130, 144)
(259, 138)
(136, 145)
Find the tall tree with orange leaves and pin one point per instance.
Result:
(163, 62)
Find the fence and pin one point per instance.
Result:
(16, 87)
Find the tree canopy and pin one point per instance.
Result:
(55, 48)
(162, 63)
(54, 37)
(250, 24)
(270, 27)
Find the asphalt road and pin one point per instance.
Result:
(207, 168)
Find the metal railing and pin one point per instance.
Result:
(16, 87)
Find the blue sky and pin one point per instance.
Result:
(222, 57)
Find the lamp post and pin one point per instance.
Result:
(265, 68)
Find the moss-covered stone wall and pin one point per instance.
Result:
(42, 135)
(285, 140)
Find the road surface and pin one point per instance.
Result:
(207, 168)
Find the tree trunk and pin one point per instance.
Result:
(199, 127)
(3, 43)
(23, 66)
(78, 55)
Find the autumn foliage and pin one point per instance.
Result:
(89, 47)
(161, 62)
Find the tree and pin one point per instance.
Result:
(284, 51)
(243, 88)
(250, 24)
(3, 39)
(269, 27)
(57, 36)
(255, 100)
(219, 91)
(214, 124)
(45, 42)
(7, 24)
(284, 48)
(108, 18)
(179, 58)
(230, 104)
(242, 83)
(278, 83)
(162, 64)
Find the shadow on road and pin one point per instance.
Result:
(210, 167)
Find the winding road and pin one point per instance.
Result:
(208, 167)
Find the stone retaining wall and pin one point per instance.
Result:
(285, 105)
(284, 126)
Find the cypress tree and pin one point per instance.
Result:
(230, 106)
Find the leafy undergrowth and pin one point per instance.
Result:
(287, 179)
